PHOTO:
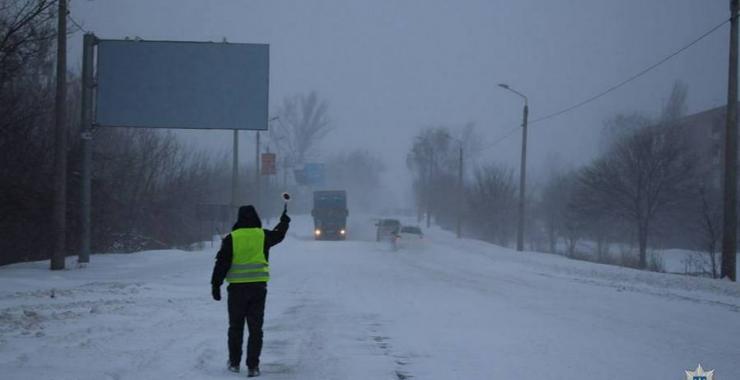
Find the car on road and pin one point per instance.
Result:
(387, 229)
(410, 237)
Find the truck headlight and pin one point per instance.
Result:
(342, 232)
(317, 232)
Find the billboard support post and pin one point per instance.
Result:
(257, 183)
(235, 172)
(88, 45)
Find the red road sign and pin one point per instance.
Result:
(268, 164)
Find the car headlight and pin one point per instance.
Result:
(317, 232)
(342, 232)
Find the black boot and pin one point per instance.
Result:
(253, 372)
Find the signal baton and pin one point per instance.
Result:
(286, 199)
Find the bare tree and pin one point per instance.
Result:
(430, 161)
(552, 208)
(491, 202)
(621, 127)
(639, 177)
(26, 101)
(675, 107)
(709, 222)
(303, 122)
(572, 229)
(26, 33)
(147, 186)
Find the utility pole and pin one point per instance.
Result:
(235, 172)
(428, 192)
(522, 169)
(729, 231)
(460, 191)
(88, 46)
(60, 138)
(522, 181)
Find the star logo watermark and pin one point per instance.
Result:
(699, 374)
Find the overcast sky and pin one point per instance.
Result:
(390, 67)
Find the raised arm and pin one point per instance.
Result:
(277, 234)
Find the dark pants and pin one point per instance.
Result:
(246, 302)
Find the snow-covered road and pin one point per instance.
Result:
(357, 310)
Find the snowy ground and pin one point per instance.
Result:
(357, 310)
(669, 260)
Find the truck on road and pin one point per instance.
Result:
(330, 215)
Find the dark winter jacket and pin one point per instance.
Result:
(248, 218)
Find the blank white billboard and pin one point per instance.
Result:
(196, 85)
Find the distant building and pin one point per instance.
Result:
(706, 131)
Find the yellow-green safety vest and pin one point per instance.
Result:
(248, 263)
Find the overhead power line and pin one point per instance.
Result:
(631, 78)
(590, 99)
(501, 138)
(76, 24)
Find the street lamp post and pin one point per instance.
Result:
(522, 169)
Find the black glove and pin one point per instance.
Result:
(216, 292)
(284, 218)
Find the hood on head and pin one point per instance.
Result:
(248, 218)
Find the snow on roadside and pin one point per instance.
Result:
(358, 310)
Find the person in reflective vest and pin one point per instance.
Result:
(243, 261)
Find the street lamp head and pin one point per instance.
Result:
(506, 87)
